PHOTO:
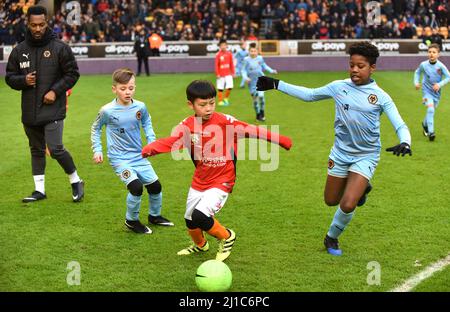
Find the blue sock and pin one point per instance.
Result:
(133, 206)
(155, 204)
(430, 119)
(340, 221)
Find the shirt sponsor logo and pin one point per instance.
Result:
(195, 138)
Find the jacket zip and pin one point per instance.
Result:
(35, 86)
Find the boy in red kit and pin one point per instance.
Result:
(224, 72)
(212, 141)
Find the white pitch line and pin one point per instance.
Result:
(412, 282)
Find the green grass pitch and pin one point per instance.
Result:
(279, 217)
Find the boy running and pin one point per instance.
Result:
(239, 56)
(253, 68)
(211, 139)
(359, 102)
(123, 118)
(432, 82)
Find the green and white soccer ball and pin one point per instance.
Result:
(213, 275)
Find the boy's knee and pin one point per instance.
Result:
(200, 220)
(348, 205)
(154, 188)
(330, 201)
(135, 187)
(189, 224)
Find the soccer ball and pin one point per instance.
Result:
(213, 275)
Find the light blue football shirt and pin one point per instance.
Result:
(432, 73)
(239, 56)
(123, 132)
(252, 68)
(357, 115)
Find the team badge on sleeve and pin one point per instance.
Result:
(138, 115)
(126, 174)
(330, 163)
(372, 99)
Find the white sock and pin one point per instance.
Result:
(39, 183)
(74, 178)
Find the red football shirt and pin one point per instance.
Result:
(224, 64)
(213, 147)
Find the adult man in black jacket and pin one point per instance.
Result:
(142, 50)
(44, 68)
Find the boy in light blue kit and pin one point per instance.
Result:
(123, 118)
(432, 82)
(359, 102)
(253, 68)
(239, 57)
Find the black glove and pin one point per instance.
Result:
(266, 83)
(402, 148)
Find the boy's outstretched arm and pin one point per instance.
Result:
(306, 94)
(245, 130)
(179, 139)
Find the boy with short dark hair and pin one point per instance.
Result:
(224, 68)
(211, 138)
(359, 102)
(123, 118)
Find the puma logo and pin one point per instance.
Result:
(26, 55)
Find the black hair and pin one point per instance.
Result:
(366, 49)
(252, 45)
(222, 40)
(36, 10)
(200, 89)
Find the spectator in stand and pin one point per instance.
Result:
(408, 32)
(268, 15)
(435, 37)
(323, 31)
(115, 20)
